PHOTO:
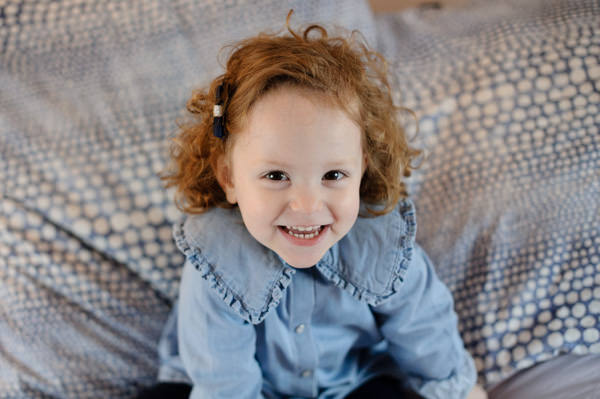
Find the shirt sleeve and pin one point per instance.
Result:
(217, 347)
(420, 326)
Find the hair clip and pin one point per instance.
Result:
(218, 117)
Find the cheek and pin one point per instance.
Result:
(346, 208)
(258, 210)
(257, 201)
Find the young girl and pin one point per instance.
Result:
(302, 277)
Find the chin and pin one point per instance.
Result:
(301, 265)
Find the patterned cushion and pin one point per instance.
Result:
(508, 195)
(90, 93)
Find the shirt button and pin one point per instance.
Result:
(299, 329)
(307, 373)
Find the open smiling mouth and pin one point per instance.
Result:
(303, 233)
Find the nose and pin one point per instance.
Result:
(306, 200)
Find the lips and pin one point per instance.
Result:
(305, 237)
(303, 232)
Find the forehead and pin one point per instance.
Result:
(294, 123)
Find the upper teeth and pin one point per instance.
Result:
(300, 228)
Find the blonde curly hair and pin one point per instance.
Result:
(342, 70)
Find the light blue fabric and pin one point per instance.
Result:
(250, 326)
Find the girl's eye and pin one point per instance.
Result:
(276, 175)
(334, 175)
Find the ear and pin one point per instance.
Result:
(224, 177)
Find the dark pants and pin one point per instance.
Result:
(381, 387)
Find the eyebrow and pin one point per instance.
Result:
(285, 165)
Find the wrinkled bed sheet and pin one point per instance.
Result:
(507, 97)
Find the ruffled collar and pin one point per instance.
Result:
(369, 262)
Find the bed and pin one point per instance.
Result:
(507, 97)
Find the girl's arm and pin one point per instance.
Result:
(420, 326)
(217, 347)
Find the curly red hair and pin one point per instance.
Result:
(339, 69)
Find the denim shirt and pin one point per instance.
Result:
(248, 325)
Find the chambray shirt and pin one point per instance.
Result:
(247, 325)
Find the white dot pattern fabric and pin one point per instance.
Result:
(508, 195)
(507, 97)
(89, 95)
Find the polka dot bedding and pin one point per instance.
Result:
(506, 96)
(89, 96)
(508, 194)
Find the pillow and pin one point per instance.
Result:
(90, 94)
(508, 194)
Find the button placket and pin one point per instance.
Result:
(300, 317)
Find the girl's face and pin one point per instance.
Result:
(295, 172)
